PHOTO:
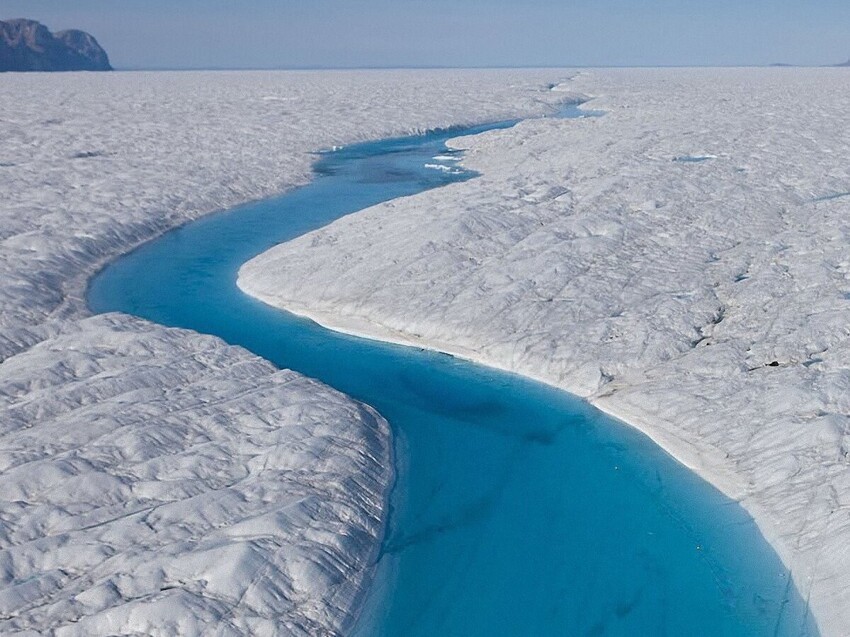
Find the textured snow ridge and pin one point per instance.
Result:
(153, 481)
(681, 262)
(157, 481)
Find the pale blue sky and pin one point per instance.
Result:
(345, 33)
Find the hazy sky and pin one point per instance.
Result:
(344, 33)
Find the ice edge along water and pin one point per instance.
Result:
(220, 245)
(135, 204)
(93, 166)
(803, 521)
(678, 448)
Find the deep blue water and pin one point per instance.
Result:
(518, 510)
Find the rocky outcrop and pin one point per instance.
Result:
(27, 45)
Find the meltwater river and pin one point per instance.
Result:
(518, 510)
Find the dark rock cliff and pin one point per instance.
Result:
(26, 45)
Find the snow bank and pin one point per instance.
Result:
(153, 481)
(704, 302)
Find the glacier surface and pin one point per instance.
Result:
(157, 481)
(681, 262)
(152, 480)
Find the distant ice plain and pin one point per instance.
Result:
(681, 262)
(154, 480)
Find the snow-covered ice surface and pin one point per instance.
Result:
(91, 164)
(157, 481)
(154, 481)
(681, 262)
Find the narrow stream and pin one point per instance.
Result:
(518, 510)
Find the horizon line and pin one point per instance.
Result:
(427, 67)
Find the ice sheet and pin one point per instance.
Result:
(151, 480)
(704, 302)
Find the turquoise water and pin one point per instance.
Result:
(518, 510)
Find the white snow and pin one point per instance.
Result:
(157, 481)
(154, 481)
(704, 302)
(441, 168)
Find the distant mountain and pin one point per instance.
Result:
(26, 45)
(847, 63)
